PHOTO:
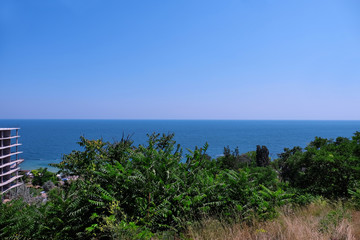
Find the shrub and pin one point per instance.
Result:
(326, 167)
(48, 186)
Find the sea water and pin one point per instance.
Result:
(46, 141)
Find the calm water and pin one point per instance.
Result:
(45, 141)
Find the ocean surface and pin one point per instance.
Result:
(46, 141)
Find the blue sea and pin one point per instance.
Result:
(46, 141)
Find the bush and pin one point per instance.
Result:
(326, 167)
(157, 190)
(48, 186)
(127, 191)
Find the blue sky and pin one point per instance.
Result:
(183, 59)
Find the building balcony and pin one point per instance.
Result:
(12, 162)
(10, 146)
(10, 180)
(9, 172)
(9, 155)
(13, 186)
(11, 137)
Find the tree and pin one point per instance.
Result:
(326, 167)
(262, 156)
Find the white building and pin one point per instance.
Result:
(9, 159)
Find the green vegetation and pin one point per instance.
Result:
(42, 175)
(326, 167)
(154, 191)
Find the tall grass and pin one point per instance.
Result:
(318, 221)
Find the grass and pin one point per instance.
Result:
(320, 220)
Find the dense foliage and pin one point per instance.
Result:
(124, 191)
(326, 167)
(41, 176)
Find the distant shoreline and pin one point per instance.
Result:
(46, 141)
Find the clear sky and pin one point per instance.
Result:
(180, 59)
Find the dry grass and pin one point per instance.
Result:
(318, 221)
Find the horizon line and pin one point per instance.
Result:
(175, 119)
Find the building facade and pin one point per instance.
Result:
(9, 159)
